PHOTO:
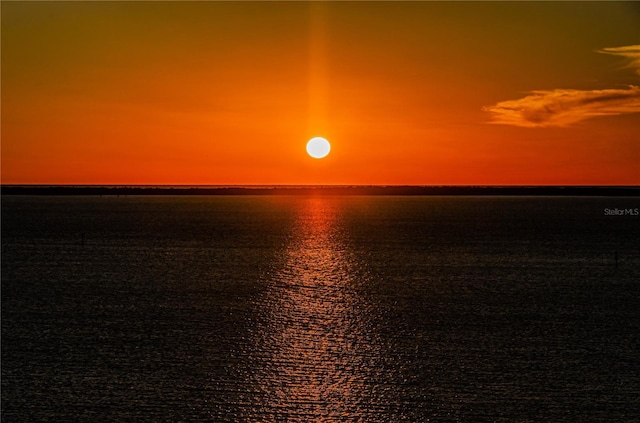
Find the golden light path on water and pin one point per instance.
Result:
(320, 358)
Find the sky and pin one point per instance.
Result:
(407, 93)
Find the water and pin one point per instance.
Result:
(314, 309)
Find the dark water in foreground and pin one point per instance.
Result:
(310, 309)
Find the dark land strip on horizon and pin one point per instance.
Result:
(606, 191)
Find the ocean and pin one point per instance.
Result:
(320, 309)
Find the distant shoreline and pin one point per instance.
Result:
(75, 190)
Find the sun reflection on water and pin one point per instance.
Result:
(319, 358)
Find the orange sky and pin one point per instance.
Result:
(416, 93)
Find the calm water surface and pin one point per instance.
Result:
(320, 309)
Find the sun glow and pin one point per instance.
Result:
(318, 147)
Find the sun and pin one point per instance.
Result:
(318, 147)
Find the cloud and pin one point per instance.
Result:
(630, 52)
(563, 107)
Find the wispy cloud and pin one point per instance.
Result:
(563, 107)
(630, 52)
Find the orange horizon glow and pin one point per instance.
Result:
(409, 93)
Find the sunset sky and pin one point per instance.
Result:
(228, 93)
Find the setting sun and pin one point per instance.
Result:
(318, 147)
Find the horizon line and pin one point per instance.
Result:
(251, 186)
(329, 190)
